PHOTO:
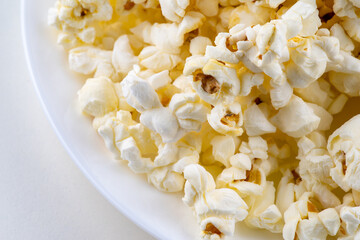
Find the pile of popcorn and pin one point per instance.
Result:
(230, 101)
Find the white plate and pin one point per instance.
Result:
(162, 215)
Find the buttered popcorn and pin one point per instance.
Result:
(231, 102)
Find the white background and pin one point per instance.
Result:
(43, 195)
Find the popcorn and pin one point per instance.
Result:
(223, 149)
(174, 10)
(348, 11)
(346, 83)
(331, 221)
(123, 57)
(208, 7)
(314, 93)
(188, 110)
(256, 123)
(280, 95)
(227, 119)
(249, 15)
(158, 60)
(162, 121)
(296, 119)
(89, 60)
(124, 137)
(74, 17)
(343, 148)
(217, 210)
(241, 173)
(308, 62)
(325, 117)
(263, 213)
(184, 83)
(166, 180)
(315, 161)
(285, 192)
(216, 82)
(98, 97)
(138, 93)
(304, 219)
(346, 43)
(246, 89)
(198, 45)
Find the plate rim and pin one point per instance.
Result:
(98, 186)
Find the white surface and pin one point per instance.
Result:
(43, 193)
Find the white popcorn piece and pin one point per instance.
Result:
(256, 123)
(346, 43)
(223, 149)
(314, 93)
(315, 162)
(123, 57)
(171, 161)
(138, 93)
(331, 220)
(285, 191)
(188, 110)
(263, 213)
(159, 80)
(127, 139)
(300, 17)
(166, 180)
(350, 216)
(194, 63)
(184, 83)
(241, 160)
(87, 35)
(281, 95)
(311, 228)
(250, 80)
(130, 151)
(216, 82)
(252, 185)
(169, 37)
(308, 62)
(325, 117)
(190, 24)
(158, 60)
(73, 17)
(343, 147)
(348, 11)
(256, 147)
(217, 210)
(324, 195)
(98, 97)
(351, 25)
(296, 119)
(174, 10)
(302, 218)
(227, 119)
(88, 60)
(123, 105)
(209, 8)
(240, 164)
(198, 45)
(221, 52)
(250, 15)
(338, 104)
(346, 83)
(248, 179)
(162, 121)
